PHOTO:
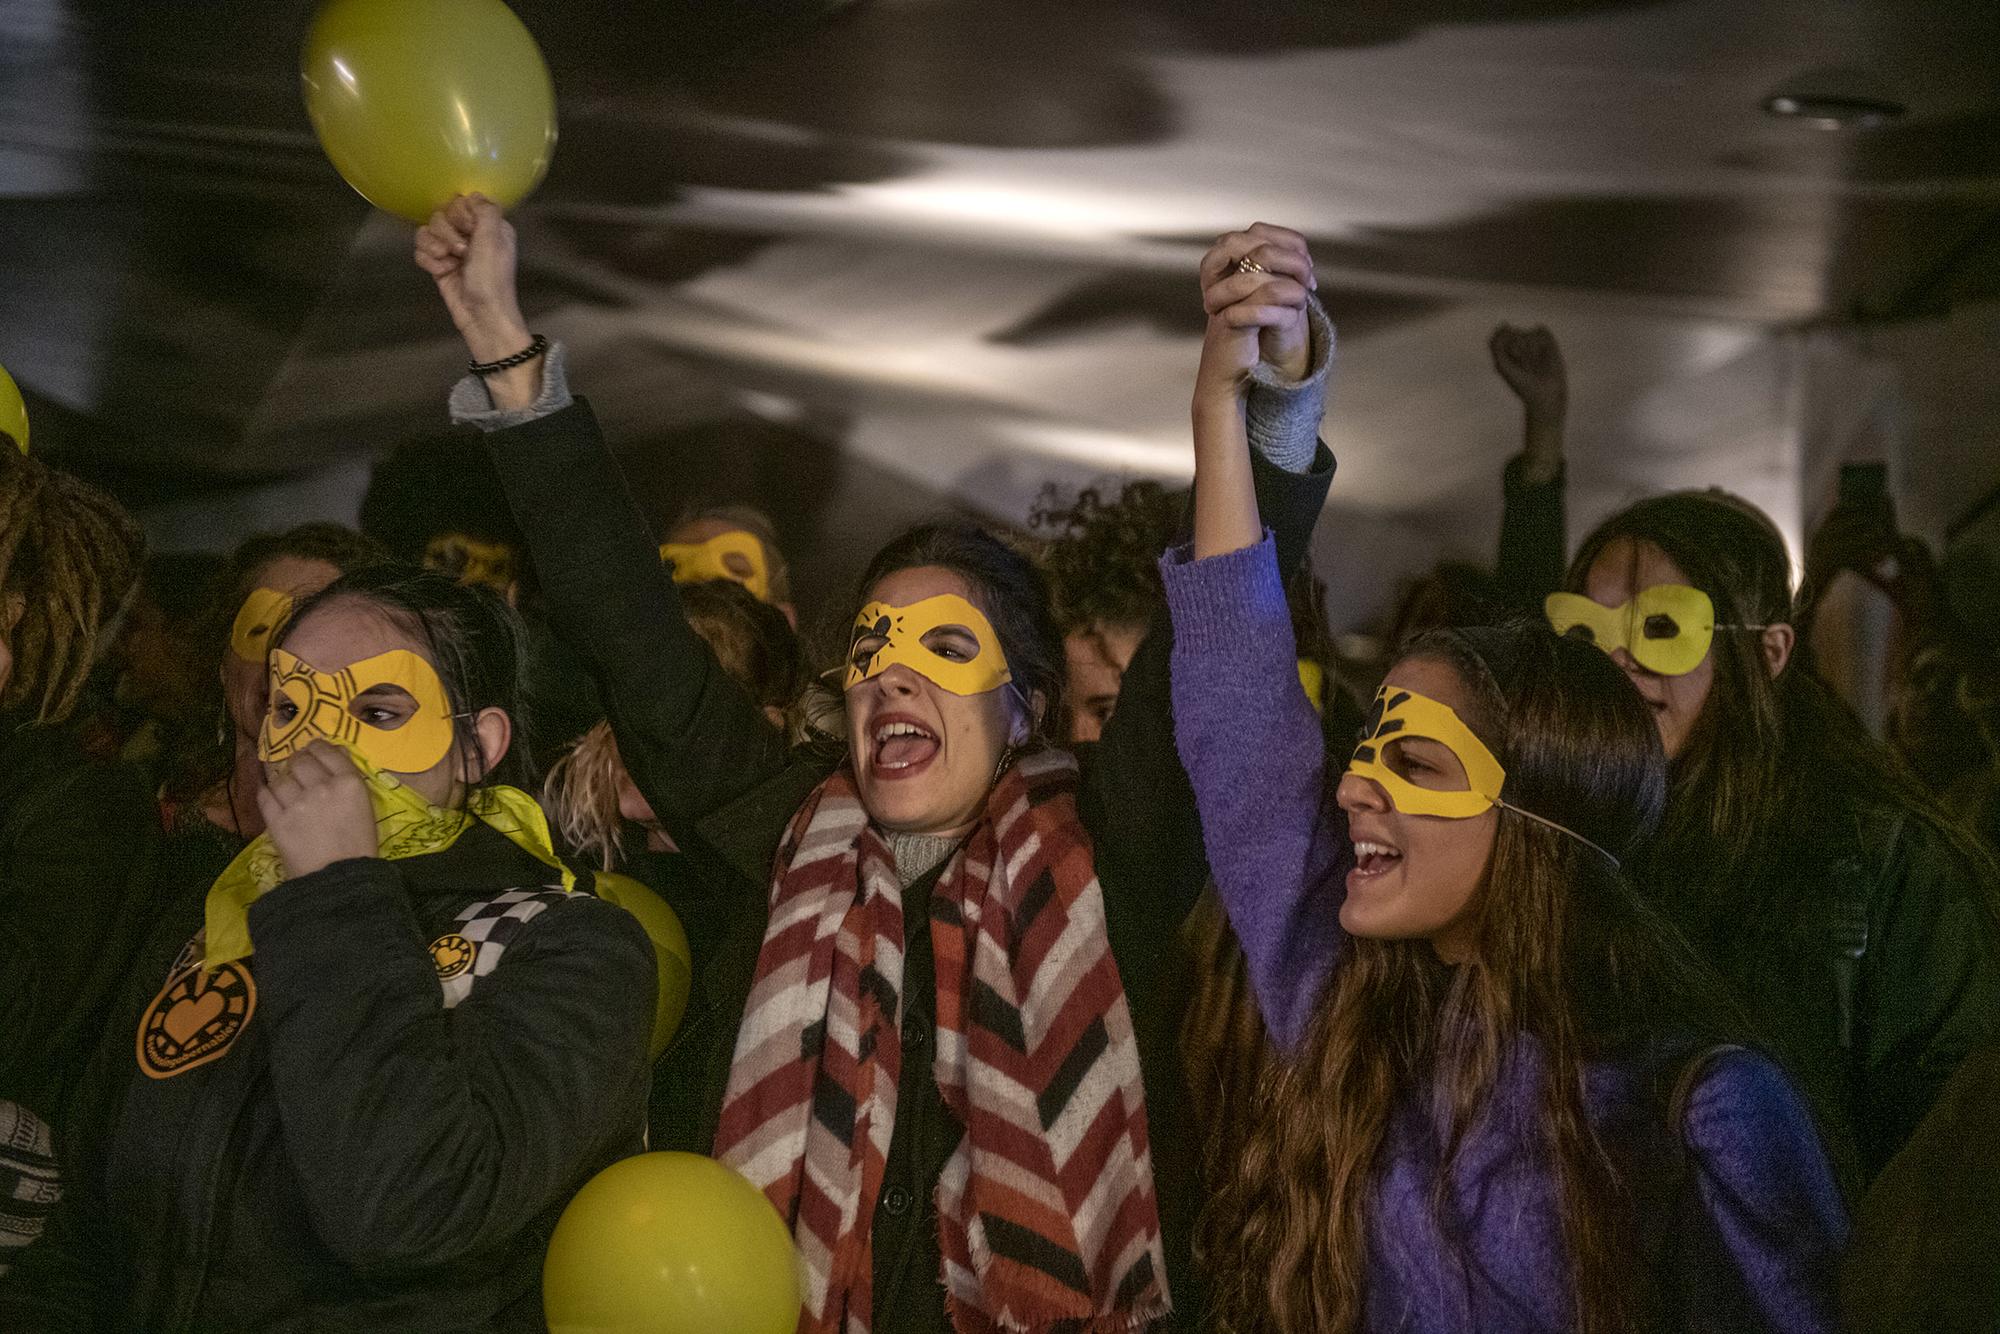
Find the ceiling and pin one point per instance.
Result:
(950, 243)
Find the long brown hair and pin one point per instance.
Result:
(1567, 955)
(1770, 760)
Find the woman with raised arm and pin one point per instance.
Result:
(940, 1032)
(1507, 1098)
(392, 1043)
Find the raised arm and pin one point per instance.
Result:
(1247, 734)
(1136, 799)
(1531, 516)
(693, 740)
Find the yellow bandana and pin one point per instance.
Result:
(261, 614)
(309, 705)
(736, 556)
(1666, 628)
(405, 826)
(886, 635)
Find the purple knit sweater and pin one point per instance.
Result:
(1743, 1226)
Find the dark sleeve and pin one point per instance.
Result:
(80, 838)
(1764, 1181)
(423, 1134)
(1930, 986)
(1922, 1257)
(1136, 800)
(1532, 539)
(693, 740)
(58, 1284)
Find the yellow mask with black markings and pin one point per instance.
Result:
(944, 639)
(1667, 628)
(1399, 716)
(309, 705)
(736, 556)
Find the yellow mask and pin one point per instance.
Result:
(308, 705)
(1666, 628)
(886, 635)
(1313, 677)
(471, 561)
(736, 556)
(1401, 715)
(262, 613)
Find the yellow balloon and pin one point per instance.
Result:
(416, 101)
(670, 949)
(670, 1243)
(13, 412)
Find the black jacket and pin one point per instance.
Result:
(724, 784)
(78, 840)
(361, 1156)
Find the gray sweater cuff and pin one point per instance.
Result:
(472, 402)
(1284, 415)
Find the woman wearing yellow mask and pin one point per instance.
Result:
(941, 1027)
(1505, 1097)
(1854, 919)
(395, 1038)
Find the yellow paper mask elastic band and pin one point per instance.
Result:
(886, 635)
(262, 612)
(736, 556)
(1666, 628)
(308, 705)
(1403, 715)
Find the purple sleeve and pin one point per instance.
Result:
(1253, 751)
(1763, 1179)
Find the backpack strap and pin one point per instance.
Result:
(485, 930)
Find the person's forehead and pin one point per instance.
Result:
(296, 576)
(1627, 565)
(1433, 679)
(696, 531)
(345, 631)
(903, 588)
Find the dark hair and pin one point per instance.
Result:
(752, 639)
(433, 485)
(1005, 585)
(73, 556)
(1103, 555)
(1568, 954)
(477, 643)
(1766, 752)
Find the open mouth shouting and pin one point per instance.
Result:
(900, 747)
(1372, 860)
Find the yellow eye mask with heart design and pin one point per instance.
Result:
(736, 556)
(944, 639)
(1666, 628)
(309, 705)
(1415, 787)
(261, 614)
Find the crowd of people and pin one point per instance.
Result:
(1082, 944)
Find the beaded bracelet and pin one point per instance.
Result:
(527, 354)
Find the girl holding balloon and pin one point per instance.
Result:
(355, 1088)
(941, 1026)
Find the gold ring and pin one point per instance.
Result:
(1250, 266)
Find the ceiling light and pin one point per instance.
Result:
(1836, 99)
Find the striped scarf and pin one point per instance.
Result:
(1047, 1214)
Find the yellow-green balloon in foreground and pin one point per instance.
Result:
(670, 1243)
(13, 412)
(416, 101)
